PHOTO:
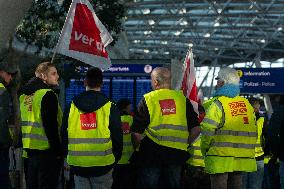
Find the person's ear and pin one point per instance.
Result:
(156, 83)
(43, 76)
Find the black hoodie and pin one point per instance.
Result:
(90, 101)
(49, 109)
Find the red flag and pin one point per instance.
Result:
(188, 85)
(84, 37)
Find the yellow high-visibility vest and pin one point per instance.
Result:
(126, 121)
(196, 158)
(89, 142)
(2, 86)
(168, 123)
(258, 148)
(33, 133)
(237, 137)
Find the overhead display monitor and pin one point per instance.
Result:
(122, 80)
(261, 80)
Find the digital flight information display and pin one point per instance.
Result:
(130, 81)
(143, 86)
(122, 88)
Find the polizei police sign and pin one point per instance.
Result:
(261, 80)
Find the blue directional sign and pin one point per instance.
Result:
(131, 68)
(261, 80)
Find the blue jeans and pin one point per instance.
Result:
(253, 180)
(101, 182)
(167, 176)
(4, 169)
(281, 174)
(271, 177)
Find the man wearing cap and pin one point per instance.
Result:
(6, 74)
(229, 134)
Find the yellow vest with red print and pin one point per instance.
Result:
(2, 86)
(126, 121)
(89, 142)
(258, 148)
(168, 123)
(33, 133)
(196, 158)
(237, 136)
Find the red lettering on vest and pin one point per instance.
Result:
(238, 108)
(88, 121)
(168, 106)
(246, 120)
(28, 102)
(125, 128)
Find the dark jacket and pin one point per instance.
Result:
(5, 138)
(152, 154)
(49, 109)
(90, 101)
(276, 132)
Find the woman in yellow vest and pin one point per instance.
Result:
(92, 135)
(123, 173)
(229, 134)
(253, 180)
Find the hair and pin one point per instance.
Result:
(123, 103)
(94, 77)
(162, 75)
(43, 67)
(229, 76)
(253, 101)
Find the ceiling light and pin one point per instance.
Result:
(166, 52)
(136, 41)
(279, 29)
(147, 32)
(262, 41)
(146, 11)
(219, 10)
(207, 35)
(190, 44)
(216, 24)
(216, 49)
(146, 51)
(177, 33)
(164, 42)
(182, 11)
(151, 22)
(183, 23)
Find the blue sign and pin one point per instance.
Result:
(261, 80)
(131, 68)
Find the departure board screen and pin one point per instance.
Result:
(143, 86)
(106, 87)
(122, 87)
(76, 87)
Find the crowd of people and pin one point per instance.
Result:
(164, 144)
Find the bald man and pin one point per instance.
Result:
(167, 119)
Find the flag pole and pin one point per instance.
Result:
(63, 29)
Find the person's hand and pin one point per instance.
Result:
(272, 161)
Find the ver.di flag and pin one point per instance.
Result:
(188, 85)
(84, 37)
